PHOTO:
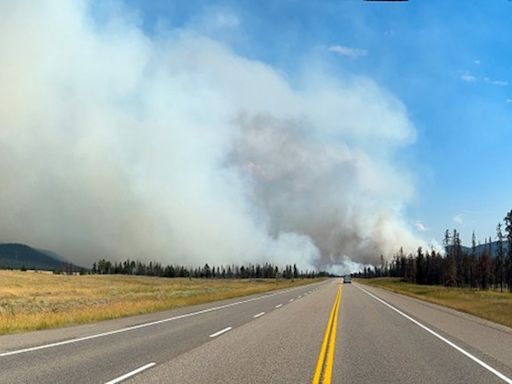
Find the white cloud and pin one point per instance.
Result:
(421, 227)
(216, 21)
(468, 78)
(353, 53)
(501, 83)
(173, 147)
(226, 19)
(458, 219)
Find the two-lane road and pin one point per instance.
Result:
(326, 332)
(102, 352)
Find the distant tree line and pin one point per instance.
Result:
(459, 266)
(250, 271)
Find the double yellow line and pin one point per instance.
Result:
(326, 356)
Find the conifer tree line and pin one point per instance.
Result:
(250, 271)
(490, 268)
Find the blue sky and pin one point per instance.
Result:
(449, 62)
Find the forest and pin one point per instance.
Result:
(487, 266)
(250, 271)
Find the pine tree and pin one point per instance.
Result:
(450, 269)
(485, 269)
(295, 271)
(420, 267)
(500, 257)
(508, 263)
(473, 280)
(457, 251)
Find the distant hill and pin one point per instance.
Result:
(481, 248)
(52, 254)
(17, 256)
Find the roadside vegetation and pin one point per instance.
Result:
(491, 305)
(31, 300)
(249, 271)
(475, 280)
(483, 267)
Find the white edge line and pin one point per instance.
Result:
(259, 315)
(132, 373)
(221, 332)
(464, 352)
(144, 325)
(279, 305)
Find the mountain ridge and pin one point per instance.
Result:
(22, 256)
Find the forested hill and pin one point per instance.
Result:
(491, 247)
(18, 256)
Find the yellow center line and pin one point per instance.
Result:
(328, 345)
(332, 344)
(325, 341)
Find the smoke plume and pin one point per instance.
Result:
(170, 146)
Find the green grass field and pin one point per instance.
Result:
(490, 305)
(30, 301)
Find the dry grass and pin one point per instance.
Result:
(30, 301)
(490, 305)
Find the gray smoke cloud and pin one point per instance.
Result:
(172, 147)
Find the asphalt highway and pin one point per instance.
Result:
(321, 333)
